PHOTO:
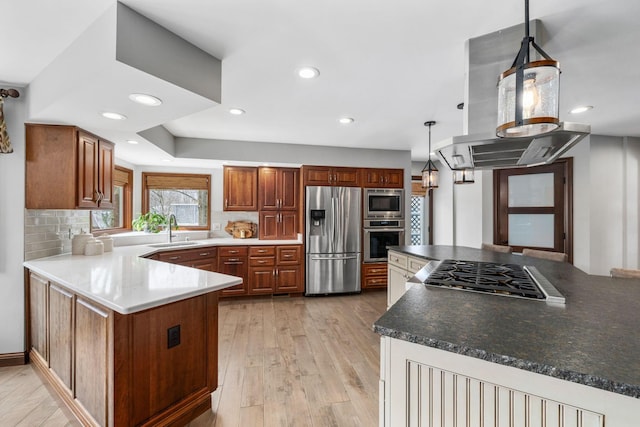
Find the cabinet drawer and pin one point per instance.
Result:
(373, 282)
(262, 261)
(262, 250)
(233, 251)
(374, 269)
(415, 264)
(187, 255)
(397, 259)
(288, 255)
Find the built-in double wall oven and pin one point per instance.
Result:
(383, 222)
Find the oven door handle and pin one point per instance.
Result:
(384, 229)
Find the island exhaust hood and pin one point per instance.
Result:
(487, 151)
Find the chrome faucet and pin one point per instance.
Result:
(174, 221)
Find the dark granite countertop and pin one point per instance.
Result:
(593, 340)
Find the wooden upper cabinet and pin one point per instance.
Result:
(240, 188)
(278, 188)
(67, 168)
(383, 178)
(335, 176)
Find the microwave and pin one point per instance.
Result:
(387, 203)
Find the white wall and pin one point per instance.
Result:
(12, 170)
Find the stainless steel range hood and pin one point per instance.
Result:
(487, 151)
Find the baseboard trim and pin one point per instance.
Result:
(13, 359)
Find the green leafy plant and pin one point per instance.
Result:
(151, 222)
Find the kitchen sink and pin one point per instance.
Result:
(172, 244)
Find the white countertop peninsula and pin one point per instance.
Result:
(119, 324)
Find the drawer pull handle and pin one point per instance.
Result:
(234, 260)
(205, 254)
(174, 257)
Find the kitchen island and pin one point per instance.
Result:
(454, 356)
(122, 339)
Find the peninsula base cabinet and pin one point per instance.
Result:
(401, 267)
(153, 367)
(425, 386)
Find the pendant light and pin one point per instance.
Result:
(430, 171)
(463, 176)
(528, 92)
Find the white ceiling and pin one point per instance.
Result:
(391, 65)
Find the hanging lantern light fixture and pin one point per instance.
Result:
(528, 92)
(430, 171)
(463, 176)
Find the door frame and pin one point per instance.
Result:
(567, 163)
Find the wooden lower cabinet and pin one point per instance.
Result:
(275, 269)
(113, 369)
(374, 276)
(232, 260)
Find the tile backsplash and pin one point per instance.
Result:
(49, 232)
(221, 217)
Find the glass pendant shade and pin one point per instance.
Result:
(463, 176)
(430, 175)
(539, 100)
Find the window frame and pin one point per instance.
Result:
(181, 181)
(127, 202)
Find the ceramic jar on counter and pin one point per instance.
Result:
(107, 241)
(78, 243)
(94, 247)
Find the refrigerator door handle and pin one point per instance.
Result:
(336, 258)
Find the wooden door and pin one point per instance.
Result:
(234, 266)
(533, 207)
(105, 174)
(317, 175)
(61, 334)
(269, 222)
(268, 197)
(394, 178)
(288, 279)
(288, 189)
(348, 177)
(38, 303)
(288, 225)
(87, 170)
(240, 188)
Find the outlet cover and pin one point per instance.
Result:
(173, 336)
(216, 226)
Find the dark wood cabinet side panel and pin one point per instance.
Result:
(91, 359)
(60, 334)
(38, 303)
(50, 176)
(167, 375)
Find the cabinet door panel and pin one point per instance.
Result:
(288, 187)
(91, 363)
(289, 255)
(38, 302)
(60, 333)
(240, 188)
(87, 170)
(317, 176)
(261, 280)
(346, 177)
(288, 226)
(269, 225)
(105, 178)
(288, 279)
(268, 188)
(234, 266)
(394, 178)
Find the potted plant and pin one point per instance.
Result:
(150, 222)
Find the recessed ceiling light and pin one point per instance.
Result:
(113, 116)
(144, 99)
(132, 141)
(308, 72)
(581, 109)
(236, 111)
(345, 120)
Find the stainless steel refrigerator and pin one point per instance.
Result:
(333, 223)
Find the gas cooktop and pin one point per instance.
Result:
(494, 278)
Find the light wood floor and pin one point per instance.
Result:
(283, 362)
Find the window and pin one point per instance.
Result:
(186, 196)
(117, 219)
